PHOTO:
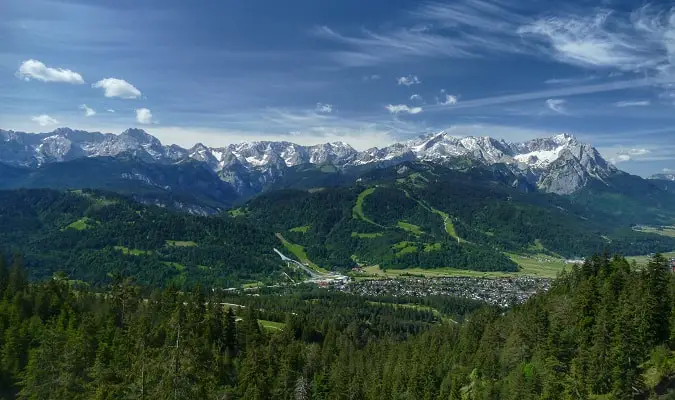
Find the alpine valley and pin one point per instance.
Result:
(473, 203)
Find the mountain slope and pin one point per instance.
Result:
(427, 215)
(189, 186)
(90, 235)
(559, 164)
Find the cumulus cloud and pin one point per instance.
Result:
(409, 80)
(450, 100)
(44, 120)
(403, 109)
(144, 116)
(34, 69)
(637, 103)
(113, 87)
(623, 155)
(88, 111)
(556, 105)
(416, 98)
(324, 108)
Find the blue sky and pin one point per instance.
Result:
(367, 73)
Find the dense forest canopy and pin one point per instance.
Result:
(603, 331)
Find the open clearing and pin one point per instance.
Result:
(271, 325)
(132, 252)
(642, 260)
(541, 266)
(357, 211)
(181, 243)
(660, 230)
(406, 226)
(299, 252)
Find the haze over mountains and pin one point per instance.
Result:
(559, 164)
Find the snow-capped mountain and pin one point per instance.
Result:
(558, 164)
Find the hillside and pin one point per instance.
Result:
(430, 216)
(601, 332)
(92, 235)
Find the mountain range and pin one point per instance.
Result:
(559, 164)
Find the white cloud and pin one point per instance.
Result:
(637, 103)
(557, 105)
(642, 41)
(450, 100)
(144, 116)
(476, 26)
(409, 80)
(34, 69)
(564, 91)
(324, 108)
(88, 111)
(114, 87)
(620, 155)
(372, 77)
(403, 109)
(416, 98)
(667, 170)
(110, 110)
(44, 120)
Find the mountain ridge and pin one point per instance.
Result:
(558, 164)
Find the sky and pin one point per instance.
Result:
(368, 73)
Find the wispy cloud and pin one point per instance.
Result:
(113, 87)
(409, 80)
(557, 105)
(403, 109)
(110, 110)
(324, 108)
(644, 40)
(667, 170)
(461, 29)
(34, 69)
(44, 120)
(88, 111)
(636, 103)
(558, 92)
(373, 77)
(144, 116)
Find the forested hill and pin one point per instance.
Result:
(425, 215)
(602, 332)
(92, 235)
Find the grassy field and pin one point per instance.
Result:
(366, 235)
(252, 285)
(432, 247)
(181, 243)
(447, 222)
(642, 260)
(81, 224)
(661, 230)
(235, 212)
(414, 229)
(531, 265)
(357, 211)
(177, 266)
(132, 252)
(271, 325)
(301, 229)
(299, 252)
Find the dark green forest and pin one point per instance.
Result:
(91, 235)
(603, 331)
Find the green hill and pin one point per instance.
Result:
(91, 235)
